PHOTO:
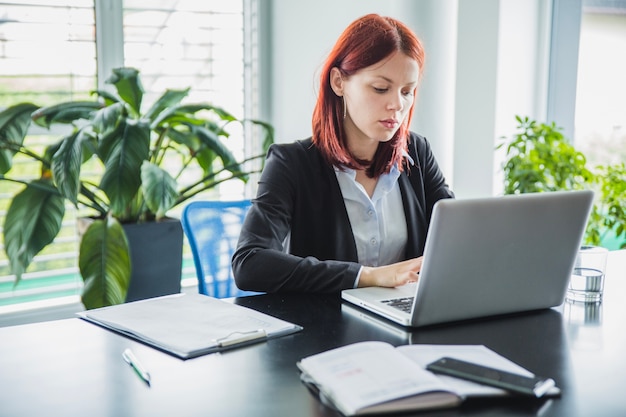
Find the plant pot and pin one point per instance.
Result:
(156, 256)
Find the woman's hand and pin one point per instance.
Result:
(392, 275)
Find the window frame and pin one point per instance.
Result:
(109, 45)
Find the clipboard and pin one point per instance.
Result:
(189, 325)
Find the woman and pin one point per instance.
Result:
(351, 205)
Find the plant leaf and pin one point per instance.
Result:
(66, 163)
(268, 138)
(168, 100)
(212, 141)
(128, 85)
(186, 114)
(105, 120)
(220, 112)
(159, 189)
(184, 137)
(31, 223)
(14, 123)
(108, 97)
(104, 264)
(123, 159)
(68, 112)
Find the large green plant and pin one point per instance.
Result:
(540, 158)
(143, 156)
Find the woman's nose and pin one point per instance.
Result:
(396, 102)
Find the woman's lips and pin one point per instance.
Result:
(389, 123)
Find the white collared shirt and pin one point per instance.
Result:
(378, 223)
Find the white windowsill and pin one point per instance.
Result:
(57, 308)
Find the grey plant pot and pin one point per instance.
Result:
(156, 255)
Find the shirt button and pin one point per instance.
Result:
(370, 213)
(373, 241)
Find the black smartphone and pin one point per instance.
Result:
(536, 386)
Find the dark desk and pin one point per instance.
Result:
(73, 368)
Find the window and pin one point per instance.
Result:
(53, 50)
(601, 90)
(47, 51)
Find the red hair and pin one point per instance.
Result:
(365, 42)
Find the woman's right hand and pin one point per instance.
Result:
(393, 275)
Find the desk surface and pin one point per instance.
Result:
(73, 368)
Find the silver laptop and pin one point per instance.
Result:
(486, 257)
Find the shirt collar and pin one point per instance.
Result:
(407, 156)
(394, 172)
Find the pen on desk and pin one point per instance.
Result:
(132, 360)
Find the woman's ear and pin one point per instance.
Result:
(336, 81)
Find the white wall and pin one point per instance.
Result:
(485, 64)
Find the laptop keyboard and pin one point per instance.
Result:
(402, 304)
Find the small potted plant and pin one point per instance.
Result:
(540, 158)
(143, 155)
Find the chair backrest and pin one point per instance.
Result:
(212, 229)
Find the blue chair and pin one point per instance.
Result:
(212, 229)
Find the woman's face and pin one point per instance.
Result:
(377, 98)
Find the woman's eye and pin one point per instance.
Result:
(380, 90)
(407, 93)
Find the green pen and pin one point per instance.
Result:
(132, 360)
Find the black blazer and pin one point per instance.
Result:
(297, 234)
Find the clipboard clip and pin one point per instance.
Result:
(236, 338)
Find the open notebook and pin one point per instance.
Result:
(488, 256)
(376, 377)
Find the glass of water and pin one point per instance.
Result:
(587, 281)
